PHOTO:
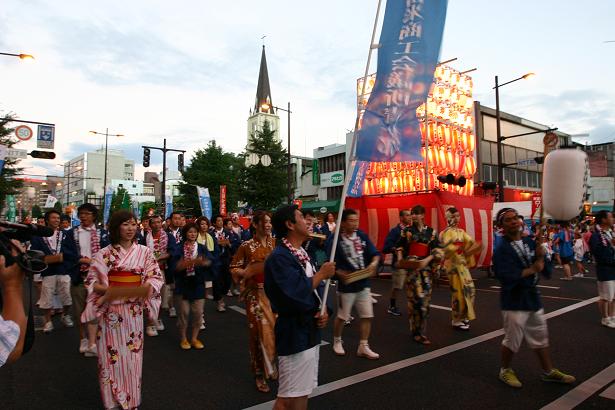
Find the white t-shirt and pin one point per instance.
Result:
(85, 243)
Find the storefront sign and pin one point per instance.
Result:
(330, 179)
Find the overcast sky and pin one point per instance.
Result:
(187, 70)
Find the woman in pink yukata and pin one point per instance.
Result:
(124, 264)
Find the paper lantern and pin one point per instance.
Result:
(450, 162)
(565, 175)
(470, 166)
(442, 159)
(471, 142)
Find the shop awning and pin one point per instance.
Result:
(321, 206)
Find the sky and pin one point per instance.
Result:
(187, 70)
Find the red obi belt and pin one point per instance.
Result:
(459, 246)
(418, 249)
(124, 279)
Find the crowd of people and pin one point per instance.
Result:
(124, 282)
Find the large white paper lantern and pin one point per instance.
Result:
(566, 172)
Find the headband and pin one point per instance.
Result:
(500, 216)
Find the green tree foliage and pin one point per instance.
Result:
(58, 206)
(120, 200)
(8, 185)
(146, 206)
(36, 212)
(264, 187)
(210, 167)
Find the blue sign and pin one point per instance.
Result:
(107, 210)
(168, 206)
(409, 49)
(205, 201)
(45, 136)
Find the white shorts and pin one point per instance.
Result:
(531, 325)
(59, 284)
(606, 290)
(37, 277)
(362, 301)
(298, 373)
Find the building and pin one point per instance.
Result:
(33, 192)
(139, 191)
(303, 186)
(602, 176)
(263, 105)
(519, 180)
(84, 175)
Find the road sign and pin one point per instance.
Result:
(527, 162)
(23, 132)
(45, 136)
(17, 153)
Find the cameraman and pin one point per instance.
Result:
(13, 318)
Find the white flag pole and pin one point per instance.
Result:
(350, 163)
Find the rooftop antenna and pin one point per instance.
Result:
(263, 38)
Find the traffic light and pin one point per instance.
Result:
(180, 162)
(451, 180)
(146, 157)
(43, 154)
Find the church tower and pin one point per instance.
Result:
(263, 106)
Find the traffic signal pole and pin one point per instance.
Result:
(164, 150)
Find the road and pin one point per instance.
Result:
(459, 370)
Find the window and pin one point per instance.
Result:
(532, 180)
(510, 177)
(521, 178)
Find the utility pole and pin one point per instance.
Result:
(164, 150)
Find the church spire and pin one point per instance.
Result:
(263, 91)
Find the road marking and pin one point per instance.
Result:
(440, 307)
(609, 393)
(583, 391)
(238, 309)
(542, 296)
(402, 364)
(538, 286)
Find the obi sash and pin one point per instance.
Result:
(418, 249)
(124, 279)
(459, 246)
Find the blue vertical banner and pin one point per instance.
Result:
(407, 56)
(168, 205)
(74, 217)
(108, 198)
(4, 151)
(204, 201)
(136, 210)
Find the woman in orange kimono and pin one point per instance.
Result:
(249, 267)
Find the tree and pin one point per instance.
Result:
(8, 185)
(146, 206)
(210, 168)
(36, 212)
(264, 187)
(58, 206)
(120, 200)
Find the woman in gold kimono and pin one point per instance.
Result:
(248, 267)
(460, 249)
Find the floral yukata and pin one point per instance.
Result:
(456, 264)
(261, 320)
(120, 322)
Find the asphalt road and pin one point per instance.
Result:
(459, 370)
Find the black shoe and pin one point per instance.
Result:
(393, 311)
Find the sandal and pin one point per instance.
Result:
(422, 340)
(262, 385)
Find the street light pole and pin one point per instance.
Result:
(106, 134)
(288, 170)
(499, 138)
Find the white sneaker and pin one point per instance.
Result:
(606, 321)
(68, 321)
(338, 348)
(578, 275)
(91, 351)
(159, 325)
(203, 326)
(365, 351)
(151, 331)
(221, 306)
(48, 327)
(172, 312)
(83, 346)
(236, 292)
(229, 294)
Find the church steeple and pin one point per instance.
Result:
(263, 91)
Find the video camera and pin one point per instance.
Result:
(30, 261)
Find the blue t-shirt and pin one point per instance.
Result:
(565, 247)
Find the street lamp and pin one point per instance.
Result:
(21, 56)
(499, 131)
(289, 194)
(106, 134)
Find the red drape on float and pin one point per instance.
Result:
(378, 214)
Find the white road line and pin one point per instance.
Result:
(440, 307)
(238, 309)
(538, 286)
(609, 393)
(583, 391)
(402, 364)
